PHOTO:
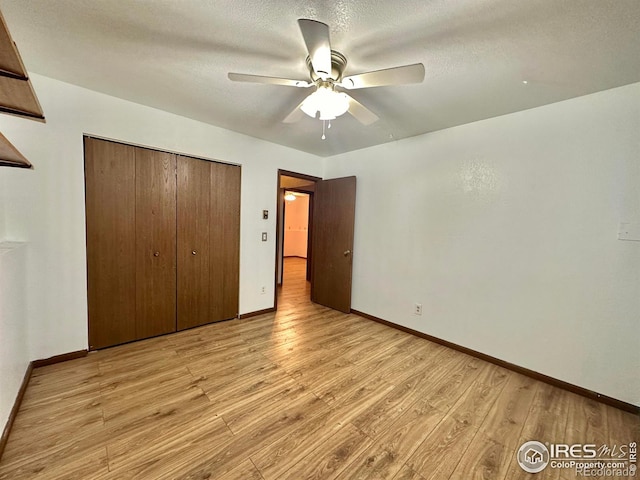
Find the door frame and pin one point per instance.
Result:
(280, 228)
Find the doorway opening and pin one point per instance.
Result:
(296, 240)
(294, 245)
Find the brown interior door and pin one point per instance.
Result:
(111, 257)
(194, 212)
(155, 243)
(333, 220)
(224, 256)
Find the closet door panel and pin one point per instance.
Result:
(155, 243)
(110, 222)
(225, 240)
(194, 200)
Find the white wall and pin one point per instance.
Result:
(46, 206)
(14, 356)
(506, 231)
(3, 190)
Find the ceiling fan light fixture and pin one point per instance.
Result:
(329, 103)
(326, 68)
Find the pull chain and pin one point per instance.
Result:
(323, 135)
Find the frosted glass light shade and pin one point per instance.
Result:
(329, 103)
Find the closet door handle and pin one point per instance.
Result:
(156, 254)
(193, 252)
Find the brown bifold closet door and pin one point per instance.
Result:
(111, 236)
(163, 242)
(208, 241)
(224, 240)
(155, 243)
(194, 212)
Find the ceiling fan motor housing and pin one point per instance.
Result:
(338, 64)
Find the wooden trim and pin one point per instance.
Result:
(16, 407)
(280, 234)
(59, 358)
(302, 176)
(256, 313)
(614, 402)
(302, 189)
(157, 149)
(279, 257)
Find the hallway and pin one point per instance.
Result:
(295, 289)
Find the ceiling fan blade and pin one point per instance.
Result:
(296, 115)
(360, 112)
(389, 76)
(316, 38)
(243, 77)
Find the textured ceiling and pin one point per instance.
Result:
(175, 55)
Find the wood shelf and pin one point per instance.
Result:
(17, 96)
(10, 156)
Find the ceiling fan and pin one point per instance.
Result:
(326, 68)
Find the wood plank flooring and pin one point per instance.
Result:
(305, 393)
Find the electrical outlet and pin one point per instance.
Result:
(417, 309)
(263, 290)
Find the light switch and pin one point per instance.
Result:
(264, 236)
(265, 214)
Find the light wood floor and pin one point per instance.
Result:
(307, 393)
